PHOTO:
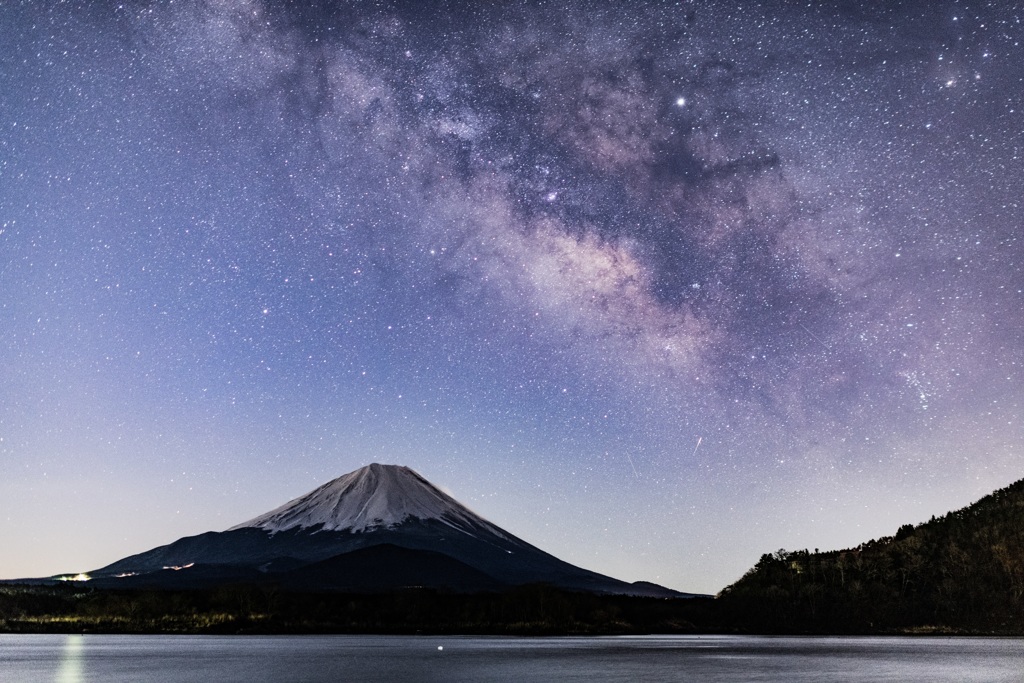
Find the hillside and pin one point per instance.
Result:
(963, 572)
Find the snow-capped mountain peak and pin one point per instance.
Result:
(374, 496)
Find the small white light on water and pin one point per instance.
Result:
(440, 647)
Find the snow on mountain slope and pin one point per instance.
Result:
(372, 497)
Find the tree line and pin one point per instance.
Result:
(526, 610)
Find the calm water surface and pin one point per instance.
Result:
(312, 659)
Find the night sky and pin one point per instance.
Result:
(657, 288)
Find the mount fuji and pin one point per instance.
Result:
(379, 528)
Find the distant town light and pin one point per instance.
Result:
(179, 568)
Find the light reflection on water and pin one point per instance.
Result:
(71, 660)
(312, 659)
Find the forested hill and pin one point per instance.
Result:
(963, 572)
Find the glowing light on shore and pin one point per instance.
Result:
(76, 577)
(178, 569)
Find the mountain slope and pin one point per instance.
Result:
(377, 505)
(960, 572)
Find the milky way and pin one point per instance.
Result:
(657, 288)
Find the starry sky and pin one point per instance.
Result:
(657, 288)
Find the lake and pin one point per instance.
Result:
(311, 659)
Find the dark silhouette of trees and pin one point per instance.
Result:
(526, 610)
(963, 572)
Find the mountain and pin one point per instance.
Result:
(962, 572)
(379, 528)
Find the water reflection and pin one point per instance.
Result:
(395, 659)
(71, 660)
